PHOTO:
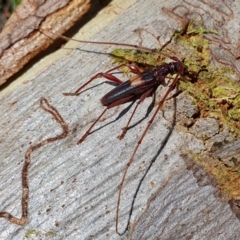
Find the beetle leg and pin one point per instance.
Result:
(142, 98)
(114, 104)
(106, 75)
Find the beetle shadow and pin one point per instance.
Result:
(149, 110)
(152, 161)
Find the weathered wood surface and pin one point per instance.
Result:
(73, 188)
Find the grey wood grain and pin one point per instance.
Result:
(73, 188)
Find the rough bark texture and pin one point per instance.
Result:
(20, 39)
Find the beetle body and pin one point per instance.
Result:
(141, 83)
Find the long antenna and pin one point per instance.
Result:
(108, 43)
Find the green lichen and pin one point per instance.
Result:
(31, 233)
(215, 92)
(217, 95)
(51, 234)
(143, 58)
(226, 178)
